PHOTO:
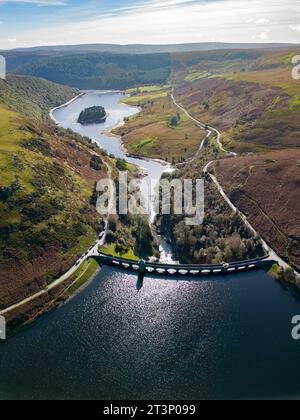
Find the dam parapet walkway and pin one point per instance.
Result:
(145, 267)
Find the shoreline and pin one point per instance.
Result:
(63, 106)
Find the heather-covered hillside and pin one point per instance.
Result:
(46, 183)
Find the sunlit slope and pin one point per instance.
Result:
(266, 187)
(251, 97)
(159, 130)
(46, 184)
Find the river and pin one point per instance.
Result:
(117, 111)
(217, 337)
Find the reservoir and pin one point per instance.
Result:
(175, 338)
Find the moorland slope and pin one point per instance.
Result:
(252, 99)
(46, 184)
(266, 187)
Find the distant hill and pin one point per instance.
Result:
(94, 70)
(148, 49)
(107, 70)
(17, 58)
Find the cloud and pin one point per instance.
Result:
(167, 21)
(36, 2)
(295, 27)
(258, 21)
(263, 36)
(261, 21)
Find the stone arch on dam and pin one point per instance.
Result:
(181, 269)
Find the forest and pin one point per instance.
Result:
(100, 71)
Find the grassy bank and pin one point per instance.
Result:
(111, 250)
(25, 316)
(84, 273)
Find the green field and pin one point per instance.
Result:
(147, 89)
(110, 249)
(144, 97)
(150, 133)
(197, 75)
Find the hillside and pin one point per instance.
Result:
(222, 236)
(47, 218)
(159, 130)
(143, 48)
(87, 68)
(266, 188)
(250, 97)
(100, 71)
(32, 96)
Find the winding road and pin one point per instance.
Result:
(209, 130)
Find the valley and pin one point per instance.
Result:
(224, 89)
(149, 202)
(49, 220)
(257, 118)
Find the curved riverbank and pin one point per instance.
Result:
(139, 161)
(102, 135)
(63, 106)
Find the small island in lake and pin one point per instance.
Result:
(93, 115)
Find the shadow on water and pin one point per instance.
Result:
(140, 281)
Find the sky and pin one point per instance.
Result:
(25, 23)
